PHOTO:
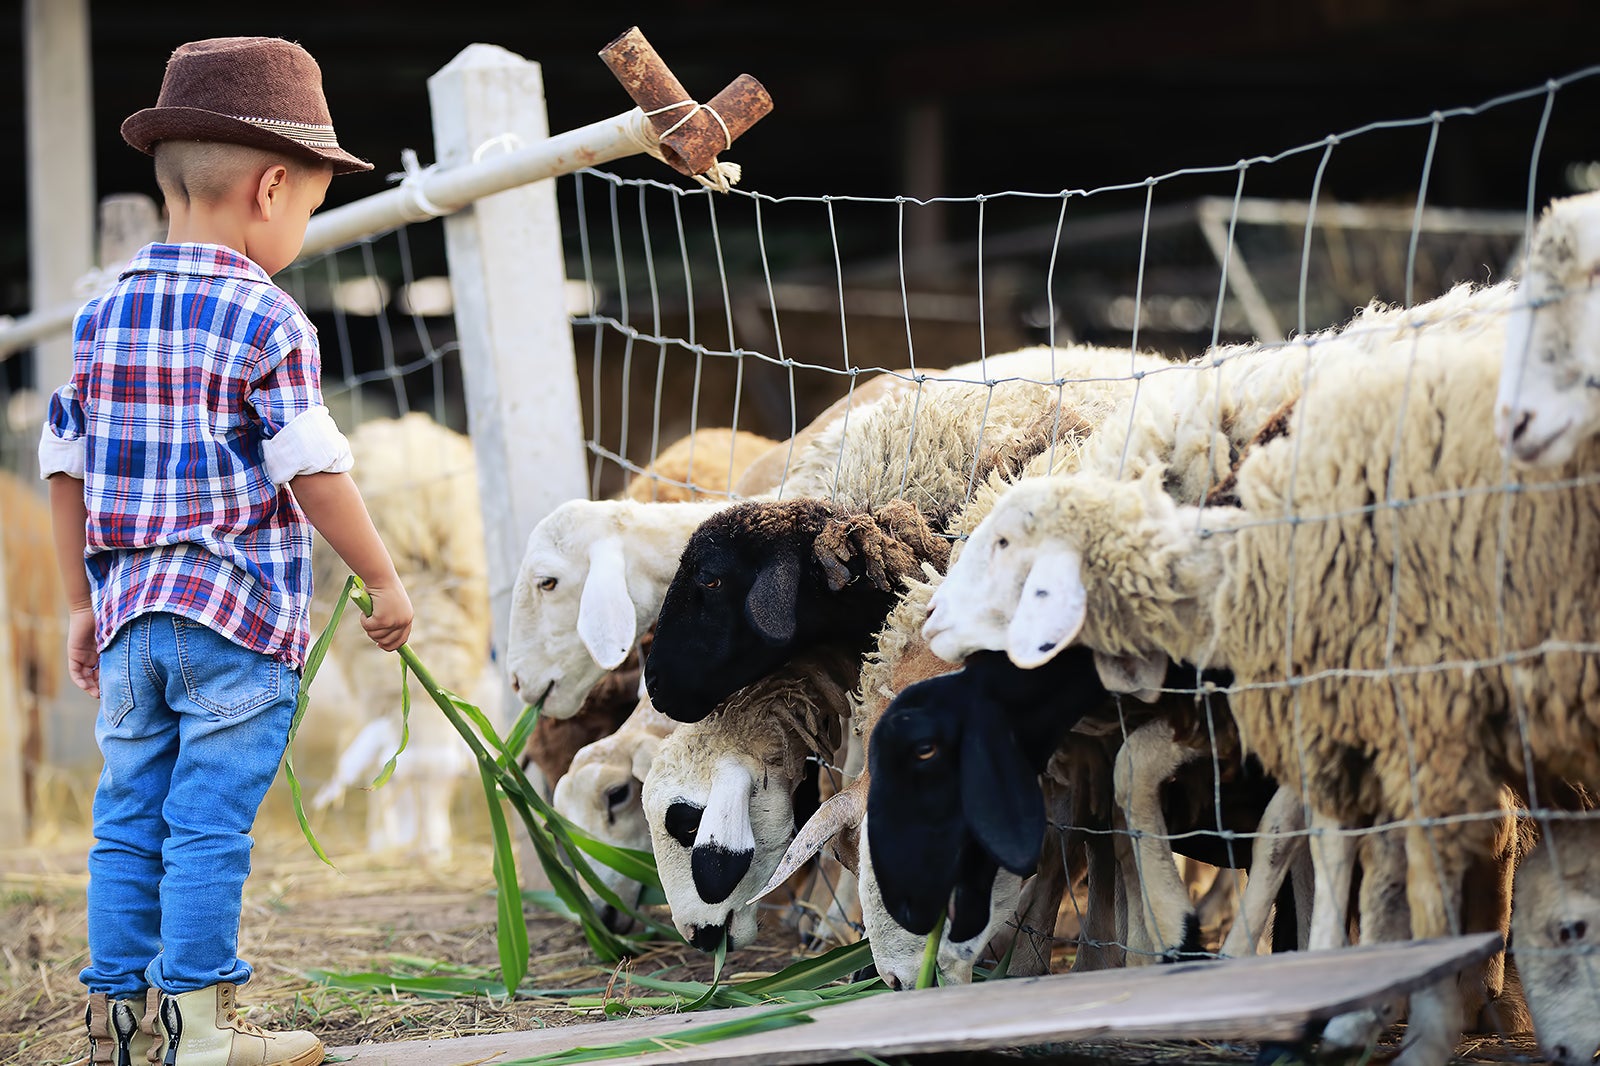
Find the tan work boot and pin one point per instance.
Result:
(121, 1030)
(203, 1028)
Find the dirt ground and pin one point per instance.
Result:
(393, 914)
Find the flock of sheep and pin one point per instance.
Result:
(1032, 632)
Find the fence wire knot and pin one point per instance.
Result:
(721, 176)
(414, 174)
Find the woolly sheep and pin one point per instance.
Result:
(1548, 403)
(704, 464)
(555, 742)
(1124, 569)
(719, 796)
(418, 479)
(36, 612)
(762, 580)
(1555, 919)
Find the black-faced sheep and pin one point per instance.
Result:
(761, 580)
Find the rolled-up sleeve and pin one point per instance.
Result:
(61, 443)
(298, 434)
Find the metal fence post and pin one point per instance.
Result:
(508, 276)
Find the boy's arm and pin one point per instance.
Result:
(69, 519)
(334, 505)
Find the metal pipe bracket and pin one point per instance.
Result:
(690, 133)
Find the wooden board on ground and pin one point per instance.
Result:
(1274, 997)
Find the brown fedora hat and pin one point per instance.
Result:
(264, 92)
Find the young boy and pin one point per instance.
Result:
(188, 460)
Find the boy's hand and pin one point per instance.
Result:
(389, 624)
(83, 657)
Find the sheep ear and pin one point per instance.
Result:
(606, 622)
(1000, 796)
(770, 604)
(1051, 610)
(1139, 675)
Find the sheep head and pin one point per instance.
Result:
(954, 796)
(1077, 558)
(590, 580)
(763, 580)
(1555, 923)
(1549, 400)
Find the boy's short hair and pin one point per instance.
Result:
(206, 171)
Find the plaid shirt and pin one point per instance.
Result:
(195, 397)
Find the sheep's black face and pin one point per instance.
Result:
(746, 597)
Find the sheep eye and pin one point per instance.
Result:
(712, 583)
(617, 795)
(1002, 543)
(683, 822)
(925, 750)
(547, 584)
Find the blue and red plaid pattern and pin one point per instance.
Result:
(181, 371)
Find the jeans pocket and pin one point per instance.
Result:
(116, 680)
(221, 676)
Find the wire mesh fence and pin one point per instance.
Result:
(1429, 729)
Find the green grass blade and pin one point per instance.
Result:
(928, 975)
(777, 1018)
(405, 729)
(522, 728)
(313, 663)
(813, 972)
(511, 929)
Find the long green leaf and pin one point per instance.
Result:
(405, 730)
(818, 970)
(777, 1018)
(314, 657)
(511, 929)
(928, 975)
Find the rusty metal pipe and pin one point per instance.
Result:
(691, 137)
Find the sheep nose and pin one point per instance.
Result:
(1520, 421)
(516, 684)
(892, 981)
(707, 937)
(1561, 1053)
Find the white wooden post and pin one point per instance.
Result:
(61, 209)
(508, 276)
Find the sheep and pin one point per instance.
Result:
(419, 481)
(761, 580)
(720, 794)
(36, 612)
(1555, 908)
(1548, 404)
(1125, 570)
(600, 792)
(703, 464)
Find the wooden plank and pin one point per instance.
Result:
(1270, 997)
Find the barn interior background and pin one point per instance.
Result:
(909, 178)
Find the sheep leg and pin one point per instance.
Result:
(1276, 846)
(1147, 758)
(1435, 870)
(1383, 918)
(1131, 934)
(1491, 1004)
(1099, 943)
(1033, 932)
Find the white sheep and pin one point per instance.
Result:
(1555, 920)
(705, 464)
(418, 479)
(1549, 400)
(719, 794)
(1358, 600)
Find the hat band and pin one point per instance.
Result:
(309, 134)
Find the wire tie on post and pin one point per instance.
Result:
(508, 140)
(411, 186)
(721, 176)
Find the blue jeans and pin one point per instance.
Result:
(192, 728)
